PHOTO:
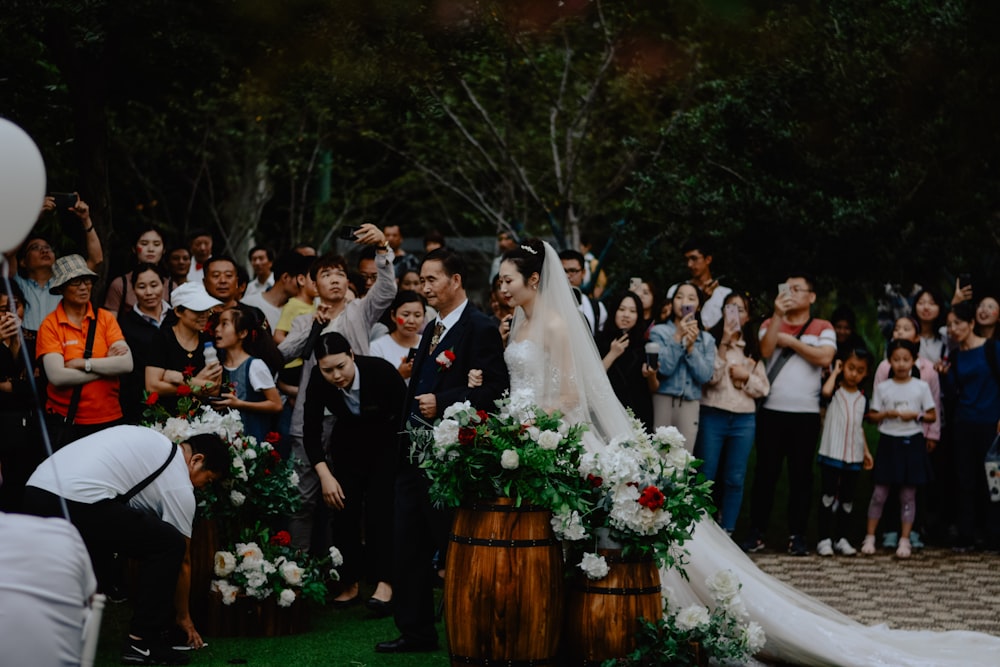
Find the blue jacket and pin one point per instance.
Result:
(682, 373)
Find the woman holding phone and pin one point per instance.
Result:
(687, 361)
(622, 349)
(728, 407)
(407, 312)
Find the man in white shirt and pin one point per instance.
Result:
(261, 260)
(593, 310)
(698, 256)
(130, 491)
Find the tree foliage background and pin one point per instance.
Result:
(856, 139)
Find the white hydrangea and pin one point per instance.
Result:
(670, 436)
(754, 637)
(241, 469)
(509, 460)
(225, 563)
(336, 558)
(249, 551)
(286, 598)
(228, 591)
(549, 440)
(692, 617)
(250, 453)
(568, 527)
(446, 433)
(293, 478)
(594, 566)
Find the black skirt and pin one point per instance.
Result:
(902, 461)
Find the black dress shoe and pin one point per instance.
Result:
(381, 608)
(407, 645)
(344, 604)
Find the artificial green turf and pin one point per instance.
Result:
(336, 638)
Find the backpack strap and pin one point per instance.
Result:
(785, 355)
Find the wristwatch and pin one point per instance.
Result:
(86, 365)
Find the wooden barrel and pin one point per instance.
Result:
(602, 616)
(503, 590)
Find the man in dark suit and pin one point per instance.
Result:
(367, 396)
(460, 339)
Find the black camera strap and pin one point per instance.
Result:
(125, 497)
(88, 352)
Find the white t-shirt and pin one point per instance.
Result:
(797, 386)
(911, 396)
(387, 348)
(259, 375)
(272, 313)
(109, 463)
(45, 580)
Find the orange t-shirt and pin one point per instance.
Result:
(99, 398)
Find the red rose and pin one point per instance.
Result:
(152, 398)
(275, 455)
(188, 371)
(595, 481)
(482, 416)
(466, 435)
(449, 355)
(272, 437)
(652, 498)
(267, 471)
(281, 538)
(183, 390)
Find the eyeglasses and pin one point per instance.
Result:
(39, 247)
(573, 272)
(370, 277)
(795, 289)
(80, 280)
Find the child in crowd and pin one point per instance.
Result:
(908, 328)
(900, 406)
(250, 380)
(843, 450)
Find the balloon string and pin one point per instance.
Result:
(39, 410)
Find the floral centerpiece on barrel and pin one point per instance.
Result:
(643, 494)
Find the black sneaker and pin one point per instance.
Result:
(144, 652)
(797, 546)
(754, 542)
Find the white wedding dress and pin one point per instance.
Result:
(554, 363)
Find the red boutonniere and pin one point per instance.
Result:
(445, 359)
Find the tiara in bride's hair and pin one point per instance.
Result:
(529, 249)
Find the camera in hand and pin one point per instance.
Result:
(347, 232)
(64, 200)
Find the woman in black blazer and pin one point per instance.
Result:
(358, 469)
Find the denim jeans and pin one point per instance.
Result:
(724, 442)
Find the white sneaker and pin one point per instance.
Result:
(903, 550)
(868, 546)
(825, 547)
(844, 548)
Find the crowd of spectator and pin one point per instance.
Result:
(320, 350)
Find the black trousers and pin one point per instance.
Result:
(420, 530)
(110, 527)
(782, 436)
(840, 484)
(977, 516)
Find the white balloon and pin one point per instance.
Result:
(22, 184)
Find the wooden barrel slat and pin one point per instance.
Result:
(602, 616)
(503, 587)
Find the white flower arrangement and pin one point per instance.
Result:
(594, 566)
(509, 460)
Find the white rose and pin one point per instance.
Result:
(455, 408)
(292, 573)
(336, 558)
(227, 590)
(692, 617)
(250, 454)
(249, 552)
(724, 585)
(286, 598)
(533, 433)
(236, 498)
(563, 428)
(446, 433)
(594, 566)
(568, 527)
(225, 563)
(678, 457)
(669, 435)
(509, 460)
(549, 440)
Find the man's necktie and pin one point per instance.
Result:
(436, 338)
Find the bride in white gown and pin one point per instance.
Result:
(554, 363)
